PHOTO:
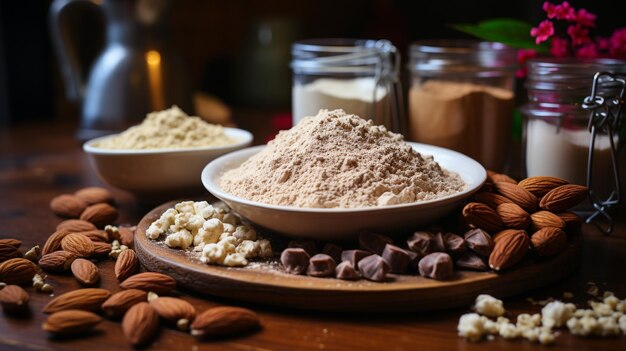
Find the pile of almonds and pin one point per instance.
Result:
(79, 242)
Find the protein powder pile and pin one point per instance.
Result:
(339, 160)
(168, 129)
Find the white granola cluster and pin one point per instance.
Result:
(215, 232)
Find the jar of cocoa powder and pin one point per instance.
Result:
(462, 97)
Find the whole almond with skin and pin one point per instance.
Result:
(509, 250)
(93, 195)
(17, 271)
(126, 264)
(95, 235)
(513, 216)
(54, 241)
(499, 177)
(70, 322)
(150, 281)
(77, 244)
(219, 321)
(548, 241)
(13, 299)
(542, 219)
(492, 200)
(68, 206)
(101, 249)
(573, 222)
(85, 271)
(504, 233)
(541, 185)
(482, 216)
(518, 195)
(88, 299)
(99, 214)
(564, 197)
(127, 236)
(57, 261)
(173, 309)
(8, 252)
(140, 324)
(13, 242)
(76, 225)
(116, 305)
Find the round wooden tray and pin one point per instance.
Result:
(267, 285)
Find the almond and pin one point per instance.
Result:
(8, 252)
(221, 321)
(564, 197)
(85, 271)
(173, 309)
(116, 305)
(68, 206)
(542, 219)
(140, 323)
(482, 216)
(13, 299)
(127, 236)
(57, 261)
(492, 200)
(93, 195)
(518, 195)
(513, 216)
(499, 177)
(573, 222)
(504, 233)
(54, 241)
(17, 271)
(95, 235)
(76, 225)
(99, 214)
(126, 264)
(509, 250)
(541, 185)
(70, 322)
(150, 281)
(88, 299)
(13, 242)
(77, 244)
(548, 241)
(101, 249)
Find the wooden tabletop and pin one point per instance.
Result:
(38, 162)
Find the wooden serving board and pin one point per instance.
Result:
(402, 293)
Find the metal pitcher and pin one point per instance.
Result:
(137, 71)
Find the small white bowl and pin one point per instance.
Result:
(159, 174)
(340, 224)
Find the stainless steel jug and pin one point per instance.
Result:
(137, 71)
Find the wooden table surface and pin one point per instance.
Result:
(38, 162)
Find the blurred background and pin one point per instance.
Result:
(236, 51)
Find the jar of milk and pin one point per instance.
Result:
(556, 134)
(359, 76)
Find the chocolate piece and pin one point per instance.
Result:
(308, 246)
(479, 241)
(415, 259)
(471, 261)
(333, 251)
(437, 265)
(294, 260)
(345, 271)
(374, 268)
(321, 265)
(354, 256)
(373, 242)
(454, 243)
(397, 258)
(439, 244)
(425, 242)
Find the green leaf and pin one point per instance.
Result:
(508, 31)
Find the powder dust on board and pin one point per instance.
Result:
(337, 160)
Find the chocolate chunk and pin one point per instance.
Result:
(373, 242)
(354, 256)
(454, 243)
(425, 242)
(479, 241)
(345, 271)
(374, 268)
(308, 246)
(295, 260)
(397, 258)
(437, 265)
(439, 243)
(321, 265)
(471, 261)
(333, 251)
(415, 259)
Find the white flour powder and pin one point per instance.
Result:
(339, 160)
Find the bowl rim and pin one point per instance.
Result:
(209, 171)
(244, 136)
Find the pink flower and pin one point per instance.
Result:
(524, 55)
(578, 34)
(603, 43)
(559, 47)
(561, 12)
(585, 18)
(543, 31)
(617, 43)
(588, 51)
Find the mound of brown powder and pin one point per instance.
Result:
(339, 160)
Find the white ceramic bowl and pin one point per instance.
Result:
(159, 174)
(345, 223)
